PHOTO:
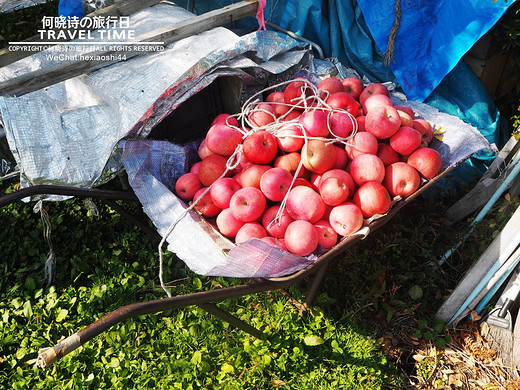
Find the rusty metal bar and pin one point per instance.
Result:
(66, 191)
(313, 289)
(228, 317)
(48, 356)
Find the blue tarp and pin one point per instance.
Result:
(71, 8)
(431, 38)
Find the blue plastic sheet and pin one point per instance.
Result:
(432, 36)
(71, 8)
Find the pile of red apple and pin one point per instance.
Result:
(309, 165)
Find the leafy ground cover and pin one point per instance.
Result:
(372, 318)
(104, 262)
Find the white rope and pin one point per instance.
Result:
(49, 268)
(231, 164)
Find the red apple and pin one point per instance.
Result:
(382, 121)
(211, 168)
(203, 150)
(290, 162)
(195, 167)
(405, 140)
(301, 238)
(275, 226)
(275, 183)
(341, 124)
(346, 218)
(262, 115)
(387, 154)
(406, 109)
(343, 101)
(335, 186)
(305, 203)
(292, 115)
(222, 190)
(361, 122)
(314, 123)
(330, 85)
(347, 178)
(273, 241)
(373, 89)
(187, 185)
(277, 101)
(353, 86)
(401, 179)
(227, 224)
(204, 204)
(360, 111)
(299, 181)
(372, 198)
(406, 118)
(318, 156)
(426, 130)
(223, 140)
(251, 175)
(260, 147)
(248, 204)
(427, 161)
(225, 119)
(367, 167)
(315, 180)
(248, 231)
(299, 93)
(374, 101)
(327, 236)
(274, 97)
(290, 138)
(341, 158)
(362, 143)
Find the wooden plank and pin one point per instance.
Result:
(487, 185)
(56, 73)
(118, 9)
(476, 273)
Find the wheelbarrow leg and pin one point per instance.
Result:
(311, 293)
(318, 278)
(228, 317)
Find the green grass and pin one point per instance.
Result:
(104, 262)
(379, 296)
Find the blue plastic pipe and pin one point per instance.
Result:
(498, 193)
(504, 255)
(484, 281)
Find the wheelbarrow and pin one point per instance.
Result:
(454, 149)
(208, 299)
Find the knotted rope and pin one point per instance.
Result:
(389, 52)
